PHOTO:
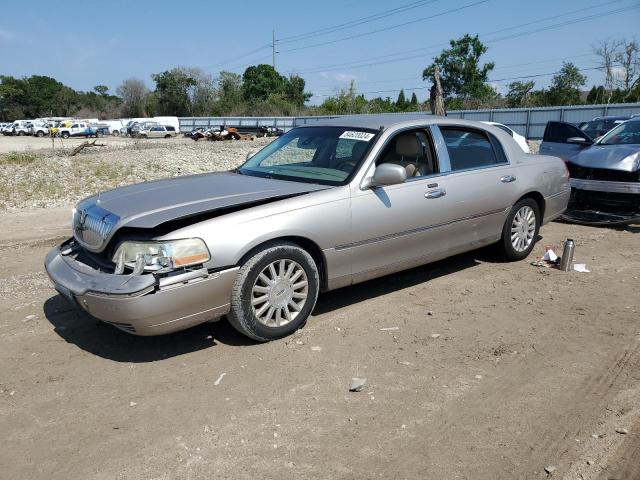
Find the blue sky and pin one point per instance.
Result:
(84, 43)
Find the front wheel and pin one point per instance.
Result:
(275, 292)
(40, 134)
(521, 229)
(64, 134)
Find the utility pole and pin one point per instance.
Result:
(273, 48)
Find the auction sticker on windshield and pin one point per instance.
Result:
(353, 135)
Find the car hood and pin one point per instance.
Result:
(615, 157)
(149, 204)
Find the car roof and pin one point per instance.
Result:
(386, 121)
(610, 117)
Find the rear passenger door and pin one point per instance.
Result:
(481, 185)
(555, 140)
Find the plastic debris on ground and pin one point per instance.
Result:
(580, 267)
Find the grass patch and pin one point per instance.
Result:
(18, 158)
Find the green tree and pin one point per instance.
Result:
(260, 81)
(519, 93)
(229, 92)
(597, 95)
(565, 85)
(172, 91)
(414, 101)
(294, 90)
(401, 102)
(462, 74)
(101, 89)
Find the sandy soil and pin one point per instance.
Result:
(475, 369)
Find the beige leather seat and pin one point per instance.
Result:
(410, 154)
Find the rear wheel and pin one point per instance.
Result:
(115, 133)
(40, 134)
(167, 136)
(521, 229)
(21, 134)
(64, 134)
(275, 292)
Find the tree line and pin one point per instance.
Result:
(262, 91)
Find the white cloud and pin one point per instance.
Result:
(344, 77)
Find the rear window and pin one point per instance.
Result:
(469, 149)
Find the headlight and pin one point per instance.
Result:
(159, 255)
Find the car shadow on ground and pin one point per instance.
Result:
(77, 327)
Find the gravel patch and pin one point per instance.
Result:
(55, 179)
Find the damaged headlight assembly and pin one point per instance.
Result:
(156, 256)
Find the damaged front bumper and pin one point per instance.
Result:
(142, 304)
(598, 202)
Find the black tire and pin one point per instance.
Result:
(21, 134)
(40, 134)
(242, 315)
(64, 134)
(506, 245)
(167, 136)
(115, 133)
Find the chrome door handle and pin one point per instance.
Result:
(508, 179)
(437, 193)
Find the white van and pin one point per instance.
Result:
(169, 122)
(114, 126)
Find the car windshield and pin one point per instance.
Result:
(627, 133)
(325, 155)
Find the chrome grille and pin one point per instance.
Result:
(93, 225)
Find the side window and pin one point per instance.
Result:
(559, 132)
(75, 125)
(412, 150)
(469, 149)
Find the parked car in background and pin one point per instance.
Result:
(79, 129)
(600, 125)
(168, 122)
(156, 131)
(605, 173)
(520, 140)
(42, 129)
(258, 245)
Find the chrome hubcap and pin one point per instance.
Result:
(523, 229)
(279, 293)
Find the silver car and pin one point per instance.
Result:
(322, 207)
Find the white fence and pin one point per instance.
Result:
(529, 122)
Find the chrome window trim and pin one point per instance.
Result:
(493, 140)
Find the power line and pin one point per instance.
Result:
(385, 29)
(373, 61)
(356, 22)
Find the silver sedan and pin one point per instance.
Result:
(322, 207)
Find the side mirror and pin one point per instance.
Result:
(387, 174)
(578, 140)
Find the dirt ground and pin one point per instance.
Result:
(475, 369)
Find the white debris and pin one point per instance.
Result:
(622, 431)
(580, 267)
(479, 377)
(316, 348)
(389, 329)
(357, 384)
(217, 382)
(550, 469)
(550, 256)
(435, 335)
(132, 404)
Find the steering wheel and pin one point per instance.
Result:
(346, 166)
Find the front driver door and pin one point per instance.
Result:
(555, 139)
(396, 226)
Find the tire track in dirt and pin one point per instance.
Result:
(625, 462)
(587, 402)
